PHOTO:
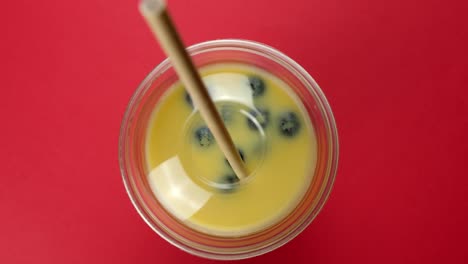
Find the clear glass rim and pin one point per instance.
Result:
(308, 82)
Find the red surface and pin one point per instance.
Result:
(395, 73)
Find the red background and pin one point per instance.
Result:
(395, 73)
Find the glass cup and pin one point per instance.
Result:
(132, 140)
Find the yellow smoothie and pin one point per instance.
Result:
(189, 175)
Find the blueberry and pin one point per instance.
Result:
(289, 124)
(204, 137)
(261, 115)
(188, 99)
(226, 114)
(257, 85)
(241, 153)
(228, 183)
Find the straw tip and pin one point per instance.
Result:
(152, 5)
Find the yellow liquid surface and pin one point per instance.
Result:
(189, 175)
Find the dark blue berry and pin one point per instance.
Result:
(241, 153)
(226, 113)
(261, 115)
(257, 85)
(203, 136)
(289, 124)
(188, 99)
(228, 183)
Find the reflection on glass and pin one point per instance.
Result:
(232, 87)
(175, 190)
